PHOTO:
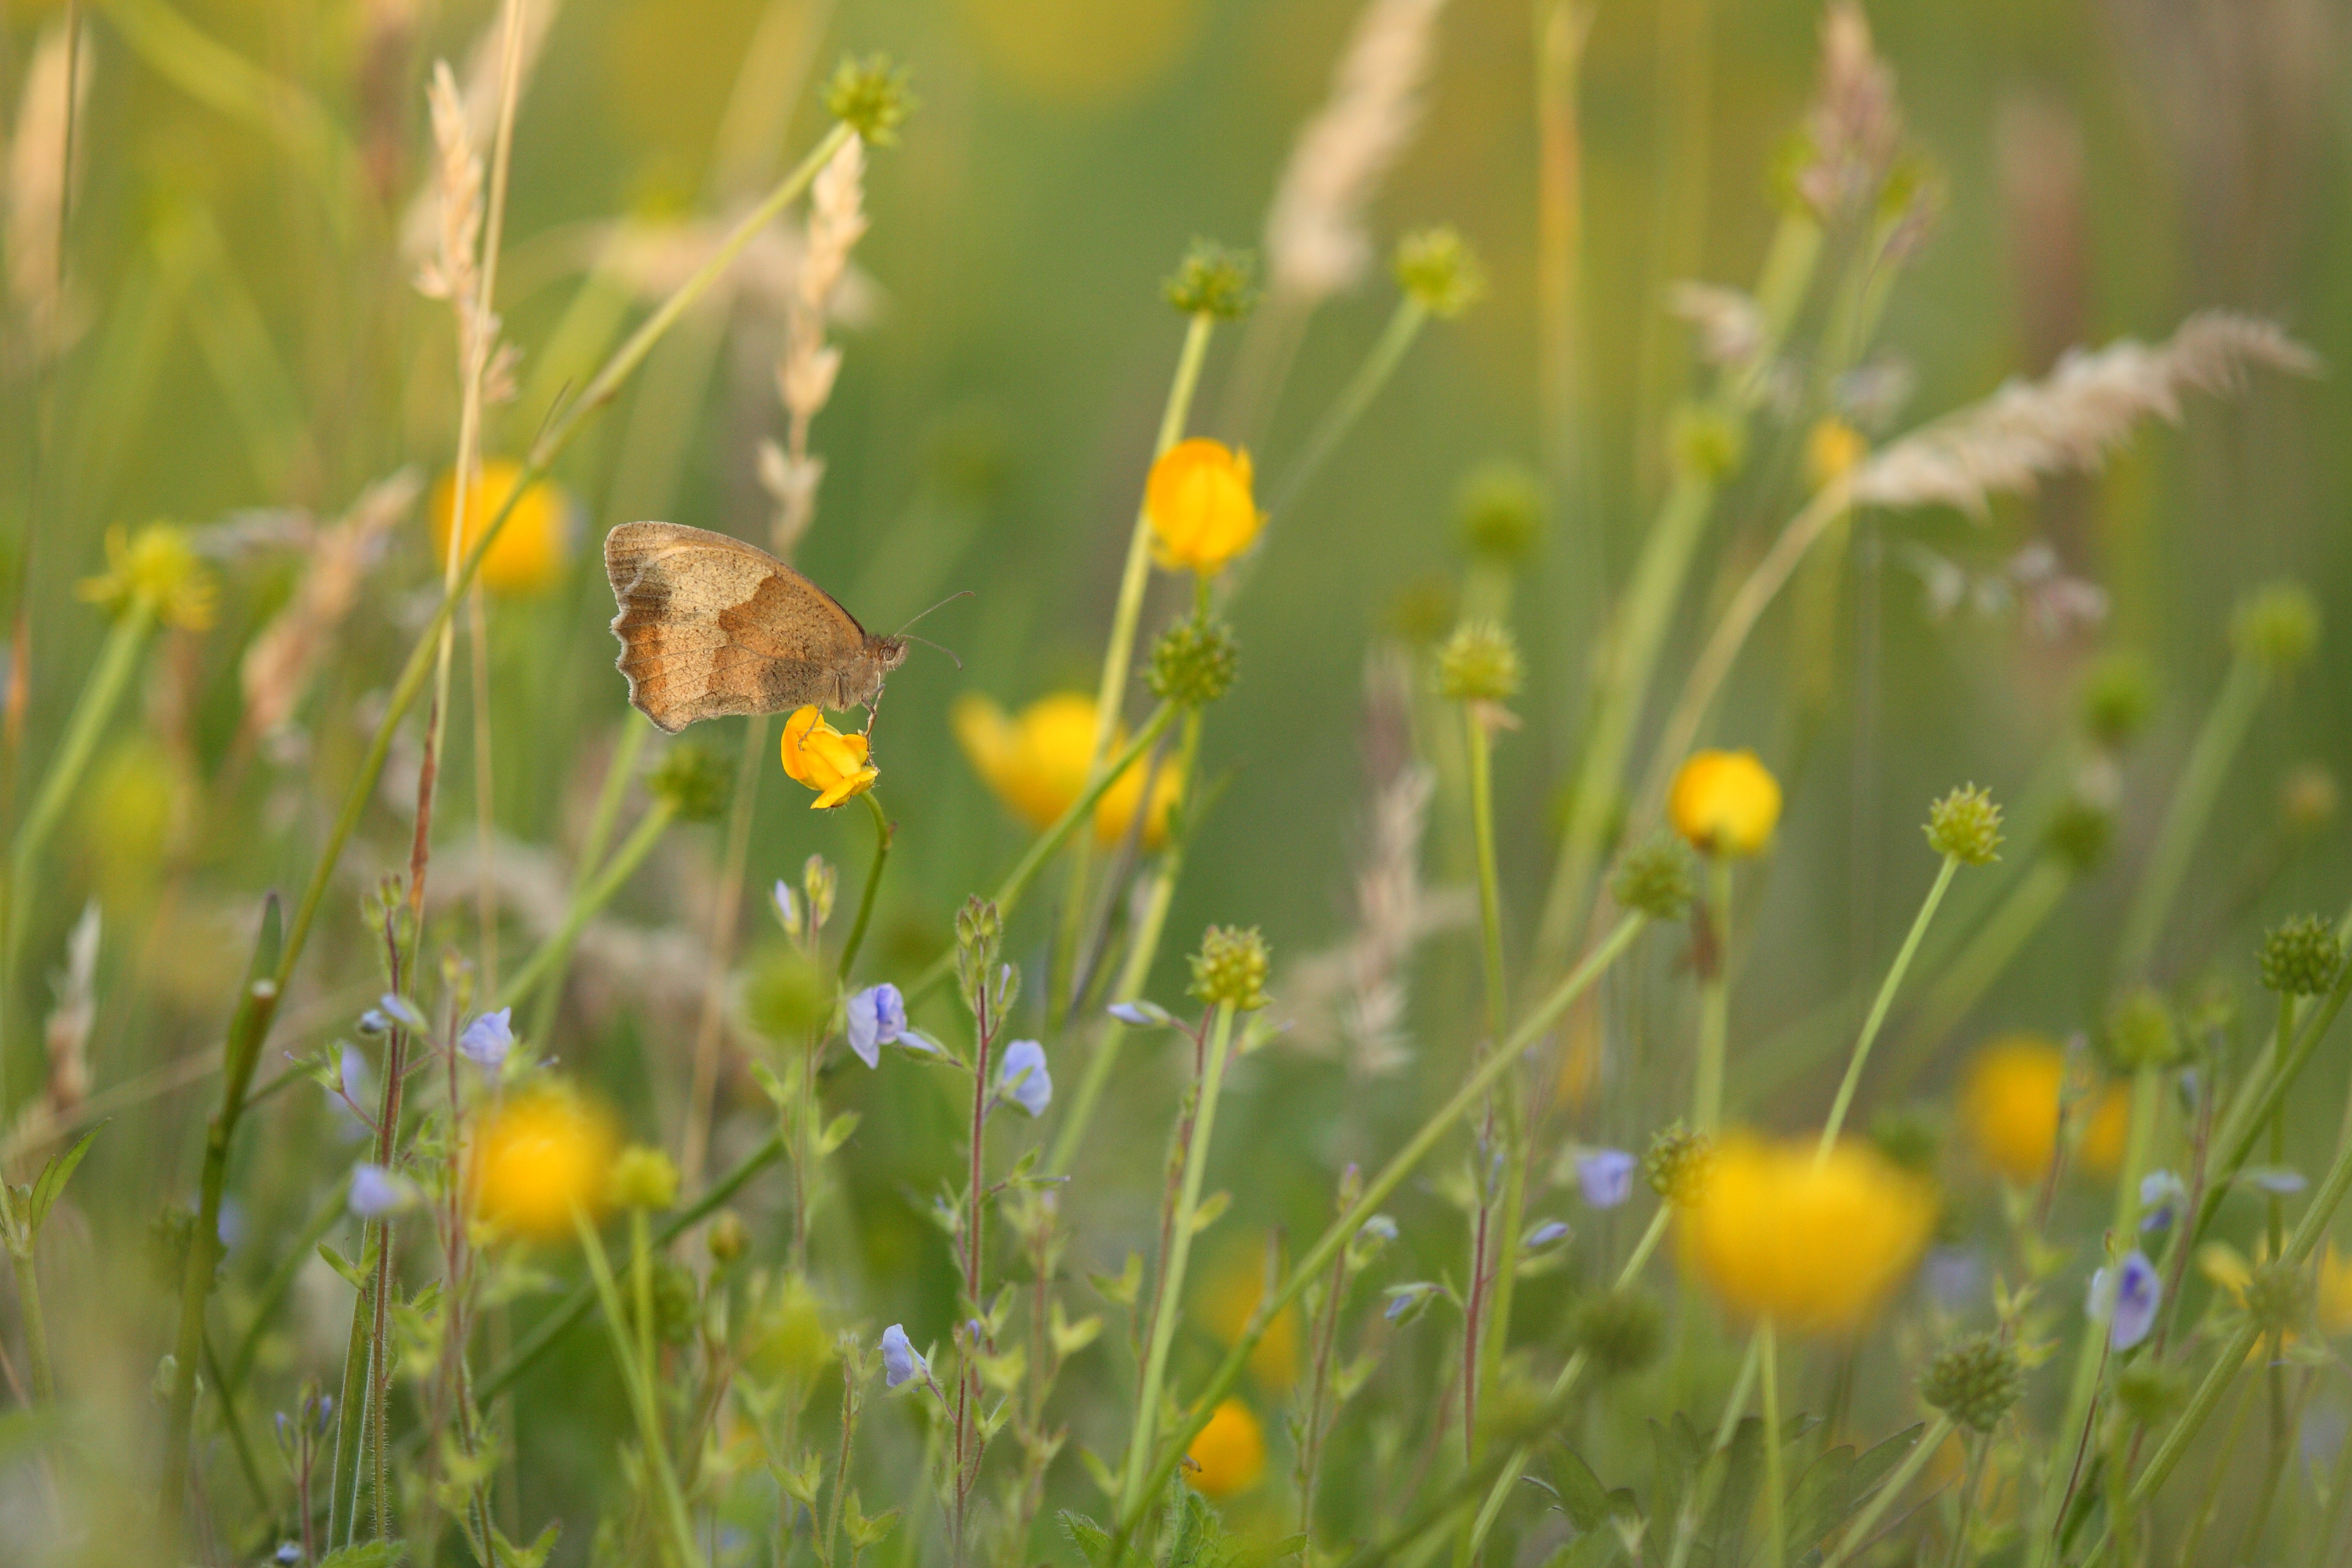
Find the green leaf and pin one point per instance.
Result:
(51, 1182)
(353, 1273)
(1579, 1491)
(367, 1554)
(1122, 1287)
(1097, 1471)
(838, 1132)
(1213, 1209)
(1735, 1498)
(1092, 1539)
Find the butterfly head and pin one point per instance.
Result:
(888, 653)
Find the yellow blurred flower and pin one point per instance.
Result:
(1202, 513)
(538, 1159)
(1725, 803)
(1035, 761)
(2332, 1309)
(828, 761)
(529, 551)
(1816, 1246)
(1230, 1452)
(157, 570)
(1831, 448)
(2009, 1104)
(2101, 1151)
(1226, 1301)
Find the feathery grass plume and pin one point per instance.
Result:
(1315, 240)
(1856, 127)
(2069, 420)
(279, 661)
(805, 376)
(453, 273)
(475, 97)
(66, 1034)
(36, 188)
(1353, 995)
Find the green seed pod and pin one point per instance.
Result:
(2300, 957)
(1212, 280)
(1231, 968)
(1677, 1165)
(1974, 1380)
(1193, 663)
(1965, 825)
(1656, 878)
(1479, 663)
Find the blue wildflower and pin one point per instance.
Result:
(2161, 1192)
(878, 1018)
(1546, 1234)
(1606, 1175)
(487, 1040)
(901, 1360)
(2127, 1296)
(1024, 1080)
(376, 1192)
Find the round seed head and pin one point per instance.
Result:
(1501, 512)
(1678, 1164)
(1656, 878)
(1193, 663)
(1965, 825)
(692, 780)
(1437, 267)
(2140, 1032)
(1974, 1380)
(2300, 957)
(1231, 968)
(1479, 663)
(1213, 280)
(2278, 624)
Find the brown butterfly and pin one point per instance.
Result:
(711, 626)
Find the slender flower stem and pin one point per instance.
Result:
(2184, 818)
(1776, 1527)
(1483, 1363)
(1986, 957)
(726, 913)
(602, 820)
(1859, 1534)
(1877, 1018)
(1388, 351)
(638, 1379)
(609, 880)
(1713, 999)
(1180, 1249)
(1971, 1477)
(883, 834)
(1317, 1257)
(1490, 905)
(36, 1334)
(2248, 1115)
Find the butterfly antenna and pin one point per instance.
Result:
(950, 599)
(929, 643)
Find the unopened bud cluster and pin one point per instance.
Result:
(1438, 269)
(1677, 1165)
(1974, 1380)
(2300, 957)
(2141, 1033)
(1193, 663)
(1479, 663)
(870, 97)
(1231, 968)
(2279, 1297)
(2276, 625)
(1965, 825)
(1656, 879)
(691, 781)
(1501, 510)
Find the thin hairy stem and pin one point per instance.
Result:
(1885, 999)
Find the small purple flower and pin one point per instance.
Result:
(230, 1227)
(403, 1012)
(1380, 1226)
(1546, 1234)
(901, 1360)
(1606, 1175)
(2159, 1193)
(487, 1040)
(1139, 1015)
(2127, 1296)
(1024, 1080)
(878, 1018)
(288, 1552)
(1955, 1278)
(373, 1022)
(787, 910)
(2275, 1179)
(376, 1192)
(1405, 1301)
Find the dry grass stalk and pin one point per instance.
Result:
(337, 557)
(2068, 421)
(1314, 239)
(67, 1032)
(475, 99)
(37, 189)
(806, 375)
(1856, 127)
(454, 271)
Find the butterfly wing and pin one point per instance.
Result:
(711, 626)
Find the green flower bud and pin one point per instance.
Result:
(2151, 1393)
(691, 781)
(1193, 663)
(1212, 280)
(1707, 442)
(1437, 267)
(2276, 625)
(1677, 1165)
(1423, 612)
(2118, 699)
(1231, 968)
(870, 97)
(1479, 663)
(728, 1238)
(1965, 825)
(980, 934)
(643, 1178)
(1500, 511)
(2307, 798)
(2140, 1032)
(1974, 1380)
(1619, 1330)
(1656, 879)
(2300, 957)
(2279, 1297)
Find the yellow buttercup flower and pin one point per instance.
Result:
(538, 1159)
(2009, 1104)
(1229, 1453)
(1202, 513)
(1035, 761)
(1816, 1246)
(1725, 803)
(157, 570)
(828, 761)
(1229, 1298)
(529, 551)
(1833, 447)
